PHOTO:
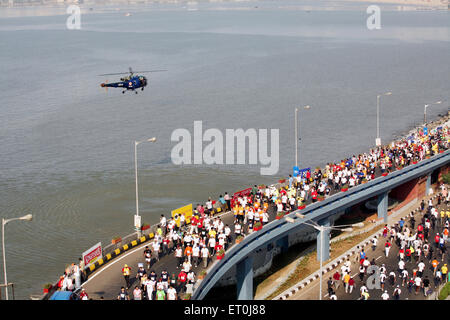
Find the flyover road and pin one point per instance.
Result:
(107, 281)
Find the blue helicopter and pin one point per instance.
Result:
(131, 82)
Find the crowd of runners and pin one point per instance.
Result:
(419, 242)
(207, 237)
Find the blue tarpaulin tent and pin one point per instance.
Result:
(63, 295)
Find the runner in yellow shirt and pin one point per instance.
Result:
(236, 212)
(444, 271)
(346, 280)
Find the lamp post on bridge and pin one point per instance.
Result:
(322, 229)
(137, 217)
(378, 140)
(27, 217)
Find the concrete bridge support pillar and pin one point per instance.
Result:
(325, 246)
(383, 206)
(244, 279)
(428, 184)
(283, 243)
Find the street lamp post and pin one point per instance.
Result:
(378, 140)
(322, 230)
(425, 111)
(27, 217)
(136, 172)
(296, 134)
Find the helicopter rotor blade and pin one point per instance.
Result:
(149, 71)
(131, 71)
(112, 74)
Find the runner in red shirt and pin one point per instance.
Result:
(182, 277)
(314, 195)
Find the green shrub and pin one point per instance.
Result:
(444, 292)
(446, 178)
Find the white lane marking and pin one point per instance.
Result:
(379, 257)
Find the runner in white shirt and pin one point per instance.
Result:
(366, 264)
(187, 266)
(383, 277)
(211, 244)
(374, 243)
(344, 270)
(265, 217)
(363, 289)
(195, 255)
(237, 229)
(418, 284)
(404, 277)
(401, 265)
(156, 246)
(385, 295)
(421, 267)
(171, 293)
(150, 284)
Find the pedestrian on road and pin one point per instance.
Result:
(418, 284)
(123, 295)
(397, 293)
(336, 278)
(333, 296)
(365, 295)
(351, 285)
(387, 247)
(421, 268)
(363, 290)
(179, 256)
(330, 285)
(126, 271)
(401, 266)
(426, 286)
(374, 243)
(362, 271)
(385, 295)
(182, 278)
(137, 293)
(404, 276)
(148, 256)
(444, 271)
(437, 278)
(83, 294)
(205, 256)
(410, 285)
(383, 277)
(171, 293)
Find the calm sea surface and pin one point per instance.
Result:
(67, 146)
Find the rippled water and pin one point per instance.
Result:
(67, 146)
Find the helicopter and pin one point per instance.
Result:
(130, 82)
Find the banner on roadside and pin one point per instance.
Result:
(186, 211)
(241, 193)
(93, 254)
